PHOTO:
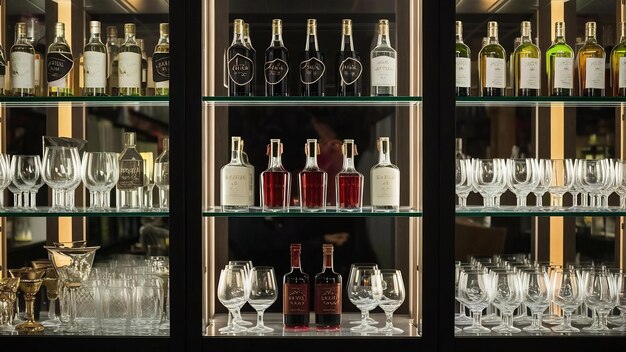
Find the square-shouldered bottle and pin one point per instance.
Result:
(235, 180)
(275, 180)
(385, 179)
(349, 182)
(131, 180)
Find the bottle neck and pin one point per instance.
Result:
(311, 162)
(459, 37)
(526, 39)
(311, 42)
(346, 43)
(559, 39)
(112, 39)
(277, 39)
(590, 37)
(235, 156)
(295, 260)
(94, 37)
(492, 35)
(384, 156)
(328, 261)
(383, 40)
(238, 38)
(130, 38)
(164, 38)
(348, 163)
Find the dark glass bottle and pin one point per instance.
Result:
(327, 293)
(296, 293)
(312, 68)
(276, 68)
(349, 66)
(240, 64)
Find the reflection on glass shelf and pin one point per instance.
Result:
(312, 101)
(45, 212)
(541, 101)
(296, 212)
(512, 211)
(543, 334)
(77, 101)
(275, 321)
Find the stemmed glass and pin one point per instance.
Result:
(75, 182)
(59, 173)
(105, 194)
(392, 294)
(561, 180)
(592, 178)
(522, 178)
(353, 268)
(507, 295)
(232, 292)
(544, 172)
(463, 178)
(5, 178)
(162, 176)
(36, 187)
(247, 266)
(620, 181)
(601, 296)
(263, 294)
(462, 319)
(98, 173)
(537, 297)
(24, 172)
(474, 292)
(567, 294)
(610, 183)
(489, 177)
(148, 180)
(577, 186)
(360, 288)
(620, 286)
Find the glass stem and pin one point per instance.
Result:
(461, 310)
(30, 307)
(52, 314)
(364, 317)
(521, 201)
(507, 319)
(26, 196)
(539, 199)
(33, 199)
(568, 319)
(537, 320)
(557, 200)
(230, 319)
(622, 202)
(389, 320)
(259, 318)
(164, 198)
(603, 319)
(477, 318)
(92, 199)
(72, 322)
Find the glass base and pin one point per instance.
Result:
(364, 328)
(260, 329)
(620, 328)
(536, 329)
(233, 329)
(385, 208)
(581, 319)
(523, 319)
(462, 320)
(476, 330)
(565, 328)
(51, 322)
(391, 330)
(235, 208)
(597, 329)
(553, 319)
(502, 329)
(370, 321)
(242, 322)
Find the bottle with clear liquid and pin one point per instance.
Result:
(349, 66)
(591, 60)
(463, 64)
(240, 64)
(247, 41)
(618, 64)
(235, 180)
(131, 179)
(161, 62)
(59, 63)
(527, 64)
(385, 179)
(113, 51)
(313, 180)
(327, 293)
(129, 63)
(312, 68)
(560, 64)
(275, 180)
(383, 64)
(492, 64)
(144, 67)
(276, 66)
(3, 70)
(245, 161)
(348, 181)
(162, 175)
(95, 63)
(22, 59)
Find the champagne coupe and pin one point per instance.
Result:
(390, 296)
(360, 289)
(263, 293)
(232, 293)
(353, 267)
(567, 294)
(474, 292)
(537, 297)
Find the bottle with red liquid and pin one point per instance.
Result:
(296, 293)
(349, 182)
(327, 293)
(275, 181)
(313, 180)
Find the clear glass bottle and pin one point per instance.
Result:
(527, 64)
(560, 64)
(348, 181)
(349, 66)
(591, 61)
(385, 179)
(129, 63)
(113, 52)
(161, 62)
(463, 64)
(492, 64)
(327, 293)
(3, 70)
(275, 180)
(59, 63)
(247, 41)
(94, 63)
(383, 64)
(131, 180)
(245, 161)
(22, 64)
(313, 180)
(296, 293)
(144, 68)
(240, 63)
(618, 64)
(38, 40)
(235, 180)
(162, 175)
(276, 66)
(312, 68)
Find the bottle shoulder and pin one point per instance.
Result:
(619, 50)
(560, 50)
(95, 46)
(384, 167)
(528, 50)
(349, 172)
(493, 51)
(130, 48)
(591, 49)
(130, 154)
(23, 48)
(462, 50)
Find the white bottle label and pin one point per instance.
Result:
(129, 70)
(495, 73)
(564, 72)
(529, 73)
(385, 186)
(164, 84)
(622, 72)
(463, 72)
(236, 186)
(383, 71)
(95, 65)
(22, 70)
(594, 73)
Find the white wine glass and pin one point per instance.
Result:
(561, 180)
(507, 296)
(232, 293)
(474, 292)
(463, 179)
(392, 294)
(620, 286)
(601, 296)
(360, 289)
(537, 297)
(545, 174)
(263, 293)
(522, 178)
(567, 294)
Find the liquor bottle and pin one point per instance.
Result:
(463, 64)
(296, 293)
(560, 64)
(162, 175)
(247, 40)
(527, 64)
(385, 179)
(348, 181)
(161, 62)
(3, 70)
(591, 59)
(245, 161)
(39, 43)
(113, 52)
(235, 180)
(312, 68)
(240, 64)
(131, 180)
(349, 67)
(95, 63)
(59, 63)
(313, 180)
(276, 66)
(22, 63)
(144, 67)
(383, 64)
(327, 293)
(275, 180)
(129, 63)
(608, 42)
(492, 64)
(618, 64)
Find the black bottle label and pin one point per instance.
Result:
(275, 71)
(240, 70)
(350, 70)
(311, 70)
(58, 65)
(161, 67)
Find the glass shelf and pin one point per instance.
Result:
(44, 212)
(540, 101)
(76, 101)
(296, 212)
(312, 101)
(510, 211)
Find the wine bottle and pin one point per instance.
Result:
(296, 293)
(591, 59)
(618, 64)
(95, 63)
(560, 64)
(240, 64)
(385, 179)
(275, 180)
(527, 64)
(313, 180)
(463, 64)
(245, 161)
(247, 40)
(492, 64)
(327, 293)
(349, 67)
(59, 63)
(235, 180)
(348, 181)
(113, 51)
(22, 63)
(130, 183)
(161, 62)
(276, 66)
(129, 63)
(383, 64)
(144, 68)
(312, 68)
(3, 70)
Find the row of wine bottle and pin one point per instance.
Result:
(241, 62)
(237, 180)
(109, 69)
(525, 64)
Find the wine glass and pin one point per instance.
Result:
(391, 296)
(522, 178)
(263, 293)
(544, 171)
(561, 180)
(360, 289)
(5, 178)
(488, 179)
(232, 293)
(59, 172)
(148, 180)
(36, 187)
(474, 292)
(24, 172)
(464, 183)
(247, 266)
(620, 286)
(507, 296)
(567, 294)
(620, 181)
(462, 319)
(537, 297)
(75, 182)
(610, 182)
(105, 193)
(98, 173)
(353, 267)
(593, 175)
(601, 296)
